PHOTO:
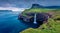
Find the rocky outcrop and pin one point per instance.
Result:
(36, 6)
(28, 18)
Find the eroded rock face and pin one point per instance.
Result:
(28, 18)
(40, 17)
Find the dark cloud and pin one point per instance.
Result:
(27, 3)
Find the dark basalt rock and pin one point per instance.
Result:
(39, 17)
(30, 14)
(28, 18)
(43, 16)
(57, 19)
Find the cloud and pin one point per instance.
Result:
(12, 8)
(27, 3)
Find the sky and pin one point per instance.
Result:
(18, 4)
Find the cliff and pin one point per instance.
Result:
(48, 20)
(41, 15)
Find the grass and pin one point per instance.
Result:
(38, 10)
(51, 27)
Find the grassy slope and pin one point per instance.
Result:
(50, 27)
(36, 10)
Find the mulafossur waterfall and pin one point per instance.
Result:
(35, 19)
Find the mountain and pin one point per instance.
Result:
(5, 10)
(52, 7)
(40, 6)
(36, 6)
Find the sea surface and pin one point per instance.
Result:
(9, 22)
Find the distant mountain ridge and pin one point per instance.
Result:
(40, 6)
(52, 7)
(5, 10)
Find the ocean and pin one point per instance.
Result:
(9, 22)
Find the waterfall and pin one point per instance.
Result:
(35, 19)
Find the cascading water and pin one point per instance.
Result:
(35, 19)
